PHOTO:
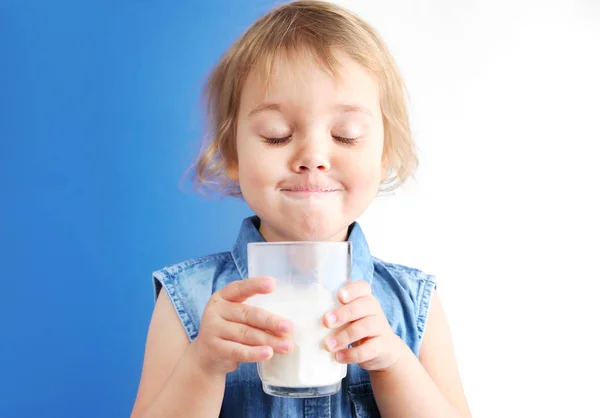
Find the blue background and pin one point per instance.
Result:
(99, 120)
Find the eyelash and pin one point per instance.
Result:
(345, 141)
(281, 141)
(277, 141)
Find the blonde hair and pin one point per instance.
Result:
(318, 27)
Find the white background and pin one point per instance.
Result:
(504, 208)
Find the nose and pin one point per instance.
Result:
(312, 155)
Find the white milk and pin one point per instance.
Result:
(309, 364)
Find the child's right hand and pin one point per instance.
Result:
(232, 332)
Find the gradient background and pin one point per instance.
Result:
(100, 117)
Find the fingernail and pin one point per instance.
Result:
(285, 346)
(266, 352)
(268, 284)
(285, 327)
(344, 294)
(331, 342)
(330, 318)
(339, 356)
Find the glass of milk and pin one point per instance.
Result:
(308, 277)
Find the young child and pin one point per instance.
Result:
(308, 123)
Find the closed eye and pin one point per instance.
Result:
(277, 141)
(283, 140)
(345, 140)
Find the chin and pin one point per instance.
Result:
(313, 223)
(321, 230)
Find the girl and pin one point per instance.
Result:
(308, 123)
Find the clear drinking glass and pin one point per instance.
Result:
(308, 277)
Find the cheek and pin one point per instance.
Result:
(367, 178)
(254, 172)
(365, 170)
(362, 183)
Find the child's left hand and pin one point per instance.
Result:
(360, 321)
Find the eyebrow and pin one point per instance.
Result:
(264, 106)
(346, 108)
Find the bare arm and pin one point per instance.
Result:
(427, 387)
(172, 382)
(182, 379)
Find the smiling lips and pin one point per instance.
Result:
(309, 190)
(310, 186)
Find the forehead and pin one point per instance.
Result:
(305, 80)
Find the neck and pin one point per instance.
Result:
(270, 234)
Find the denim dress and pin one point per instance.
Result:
(404, 294)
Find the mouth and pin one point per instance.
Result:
(306, 192)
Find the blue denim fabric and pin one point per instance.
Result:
(404, 294)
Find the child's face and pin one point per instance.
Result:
(311, 183)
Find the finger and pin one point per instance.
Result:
(354, 291)
(240, 290)
(256, 317)
(244, 353)
(352, 333)
(243, 334)
(359, 308)
(364, 352)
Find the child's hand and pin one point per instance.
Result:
(232, 332)
(361, 322)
